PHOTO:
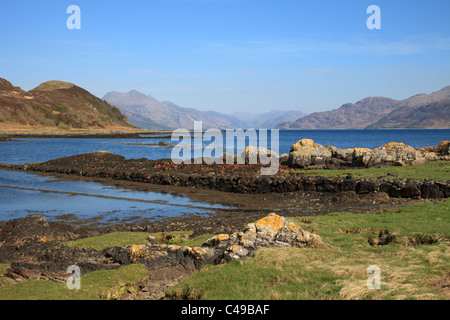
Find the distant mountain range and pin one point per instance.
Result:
(420, 111)
(148, 113)
(56, 105)
(63, 105)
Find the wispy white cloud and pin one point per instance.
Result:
(413, 44)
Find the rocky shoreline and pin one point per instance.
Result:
(232, 178)
(33, 248)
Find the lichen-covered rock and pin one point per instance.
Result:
(305, 153)
(433, 153)
(444, 148)
(284, 158)
(393, 152)
(271, 231)
(253, 155)
(342, 154)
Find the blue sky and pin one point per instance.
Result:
(231, 55)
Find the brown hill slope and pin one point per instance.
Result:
(435, 115)
(367, 112)
(349, 116)
(56, 105)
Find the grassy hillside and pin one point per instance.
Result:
(56, 105)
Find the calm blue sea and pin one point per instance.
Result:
(36, 150)
(22, 194)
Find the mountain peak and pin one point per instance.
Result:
(445, 90)
(5, 85)
(53, 85)
(135, 92)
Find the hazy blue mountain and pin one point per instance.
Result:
(269, 119)
(149, 113)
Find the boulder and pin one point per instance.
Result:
(306, 153)
(252, 154)
(271, 231)
(362, 156)
(284, 158)
(342, 154)
(444, 148)
(163, 144)
(392, 153)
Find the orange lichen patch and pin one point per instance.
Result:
(199, 250)
(292, 227)
(272, 221)
(235, 247)
(43, 239)
(396, 145)
(222, 237)
(136, 248)
(137, 251)
(304, 144)
(362, 150)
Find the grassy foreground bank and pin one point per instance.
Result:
(411, 246)
(414, 264)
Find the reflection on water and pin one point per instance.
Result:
(22, 194)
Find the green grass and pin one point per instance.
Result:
(62, 107)
(102, 284)
(438, 170)
(408, 270)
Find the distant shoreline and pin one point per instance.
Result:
(84, 134)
